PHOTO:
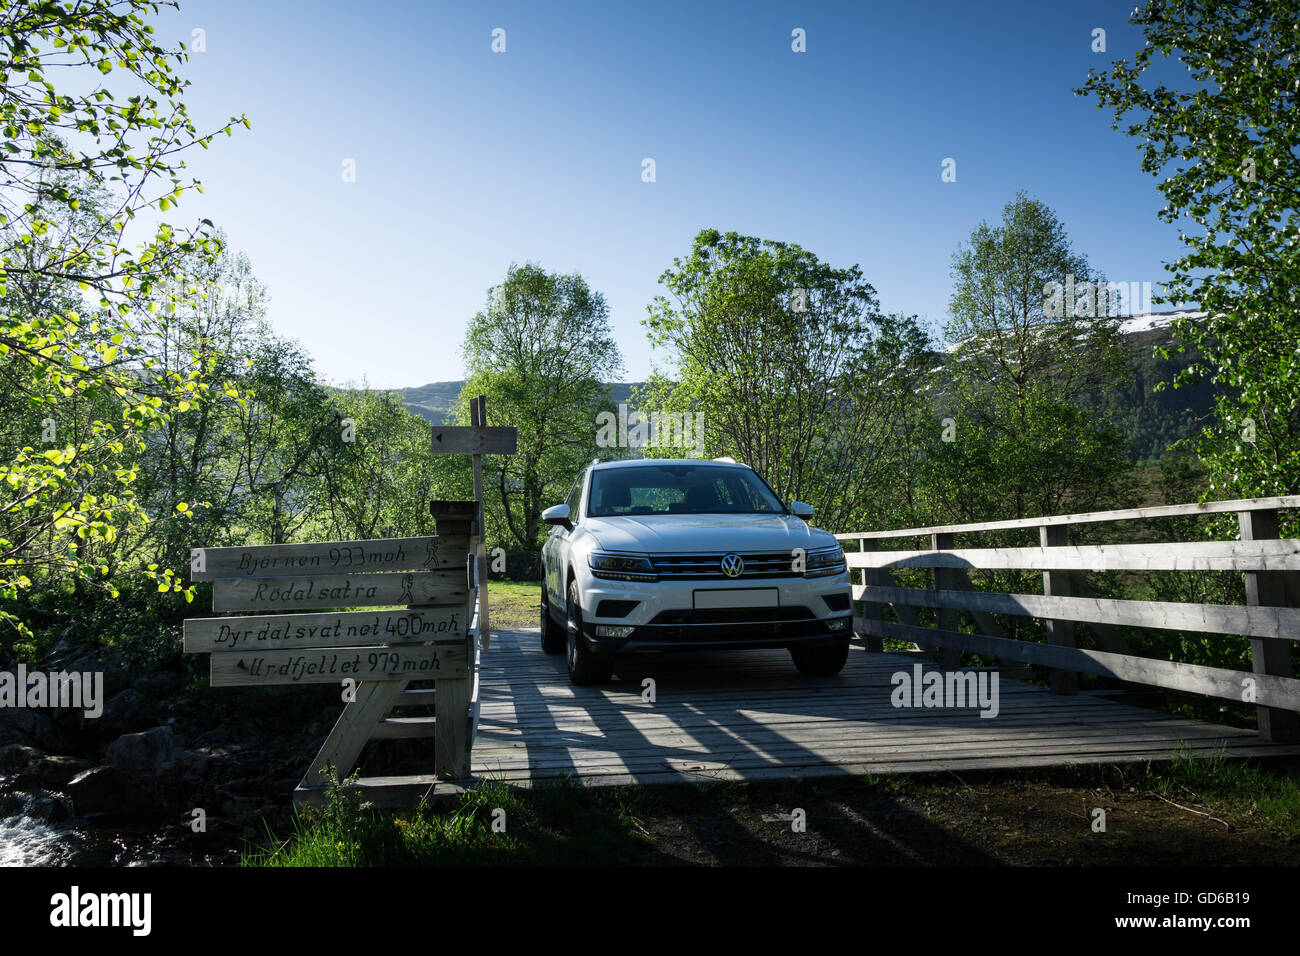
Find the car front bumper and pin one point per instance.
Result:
(808, 612)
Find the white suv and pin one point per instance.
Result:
(679, 554)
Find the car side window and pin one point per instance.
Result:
(740, 495)
(575, 498)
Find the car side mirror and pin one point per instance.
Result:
(558, 515)
(801, 510)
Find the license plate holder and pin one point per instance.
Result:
(715, 598)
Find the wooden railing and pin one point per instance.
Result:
(1270, 618)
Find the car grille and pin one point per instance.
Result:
(724, 615)
(708, 567)
(747, 626)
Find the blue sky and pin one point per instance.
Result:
(468, 160)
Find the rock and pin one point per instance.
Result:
(181, 781)
(142, 754)
(116, 681)
(30, 768)
(35, 729)
(214, 738)
(15, 757)
(107, 791)
(240, 808)
(69, 721)
(50, 808)
(54, 771)
(157, 685)
(163, 776)
(92, 660)
(125, 713)
(99, 790)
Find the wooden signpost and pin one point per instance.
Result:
(338, 557)
(374, 654)
(477, 440)
(335, 629)
(338, 590)
(332, 665)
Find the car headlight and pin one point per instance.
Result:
(825, 562)
(621, 567)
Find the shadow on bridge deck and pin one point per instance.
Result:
(749, 715)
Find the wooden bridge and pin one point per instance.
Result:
(750, 715)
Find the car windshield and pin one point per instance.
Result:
(679, 489)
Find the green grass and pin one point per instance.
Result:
(1242, 793)
(514, 604)
(492, 826)
(1178, 805)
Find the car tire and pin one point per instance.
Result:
(585, 666)
(821, 661)
(552, 633)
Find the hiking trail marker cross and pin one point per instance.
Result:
(373, 655)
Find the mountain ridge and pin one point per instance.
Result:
(1152, 420)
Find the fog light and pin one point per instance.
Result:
(835, 624)
(613, 630)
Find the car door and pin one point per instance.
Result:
(555, 551)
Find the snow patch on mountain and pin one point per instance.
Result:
(1155, 320)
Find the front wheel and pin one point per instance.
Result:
(821, 661)
(552, 633)
(585, 666)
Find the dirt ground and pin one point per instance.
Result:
(1038, 819)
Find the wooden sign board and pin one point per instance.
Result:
(328, 557)
(340, 590)
(333, 666)
(384, 650)
(336, 629)
(474, 440)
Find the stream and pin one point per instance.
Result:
(30, 840)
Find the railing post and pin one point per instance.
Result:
(871, 609)
(948, 619)
(1269, 656)
(1057, 584)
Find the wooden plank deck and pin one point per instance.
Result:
(749, 715)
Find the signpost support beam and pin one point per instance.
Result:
(452, 696)
(375, 698)
(478, 418)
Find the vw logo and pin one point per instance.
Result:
(732, 565)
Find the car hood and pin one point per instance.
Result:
(668, 534)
